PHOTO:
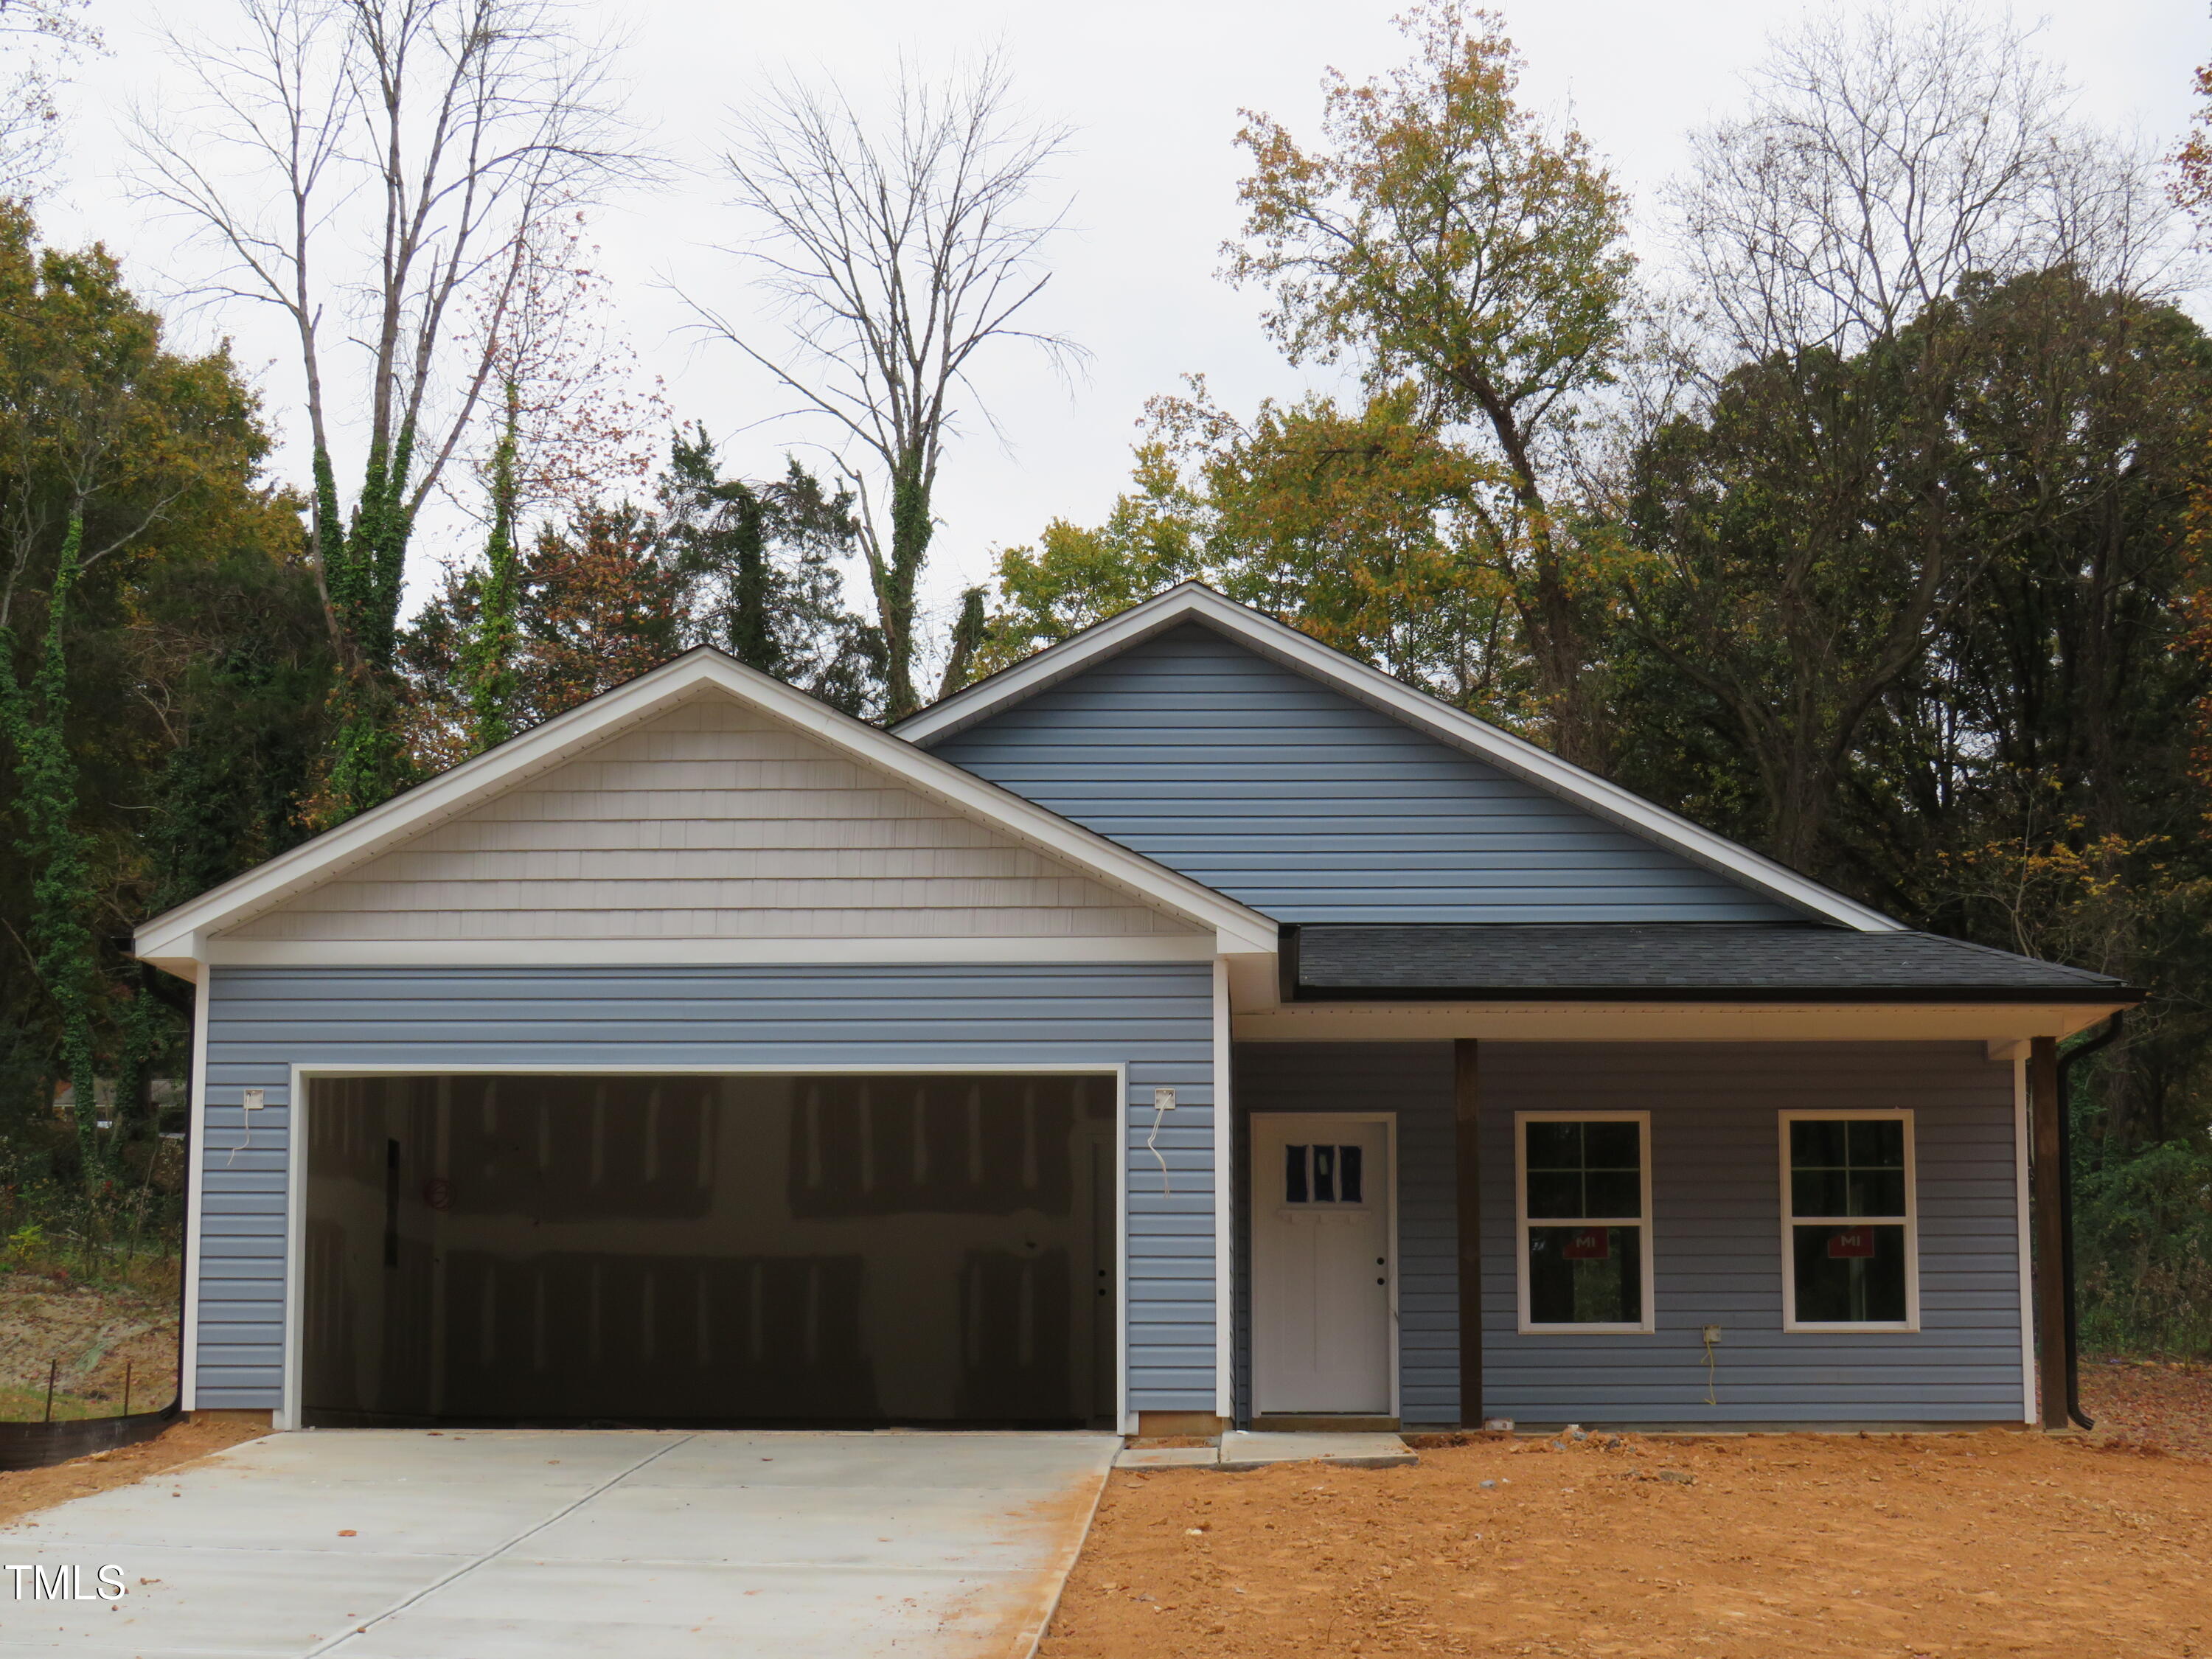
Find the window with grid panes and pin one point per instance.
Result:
(1849, 1225)
(1583, 1220)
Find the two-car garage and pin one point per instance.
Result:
(858, 1251)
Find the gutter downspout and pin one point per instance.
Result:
(2065, 1106)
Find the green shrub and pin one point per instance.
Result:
(2142, 1230)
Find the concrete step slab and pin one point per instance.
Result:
(1168, 1457)
(1245, 1450)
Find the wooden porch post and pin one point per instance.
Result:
(2050, 1298)
(1465, 1099)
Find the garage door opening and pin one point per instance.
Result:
(731, 1251)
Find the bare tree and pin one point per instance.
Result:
(893, 257)
(1885, 155)
(38, 36)
(377, 167)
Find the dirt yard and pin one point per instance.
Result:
(24, 1491)
(1769, 1547)
(103, 1336)
(2164, 1404)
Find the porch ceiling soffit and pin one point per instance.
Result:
(180, 938)
(1301, 653)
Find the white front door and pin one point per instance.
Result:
(1323, 1336)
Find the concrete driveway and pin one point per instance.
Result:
(400, 1544)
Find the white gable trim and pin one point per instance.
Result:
(183, 935)
(1303, 654)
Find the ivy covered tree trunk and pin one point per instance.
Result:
(57, 853)
(896, 579)
(488, 654)
(970, 631)
(363, 566)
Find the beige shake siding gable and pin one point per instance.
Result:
(712, 820)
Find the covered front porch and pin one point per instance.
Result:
(1660, 1197)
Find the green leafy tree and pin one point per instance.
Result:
(131, 503)
(55, 848)
(1076, 576)
(760, 564)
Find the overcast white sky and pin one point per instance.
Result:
(1153, 88)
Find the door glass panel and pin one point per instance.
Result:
(1324, 1175)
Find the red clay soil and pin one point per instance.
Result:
(1767, 1548)
(24, 1491)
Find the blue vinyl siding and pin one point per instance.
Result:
(1157, 1020)
(1312, 807)
(1715, 1228)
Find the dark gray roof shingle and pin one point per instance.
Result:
(1700, 962)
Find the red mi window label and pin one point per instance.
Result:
(1589, 1245)
(1851, 1242)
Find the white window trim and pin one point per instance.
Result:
(1909, 1219)
(1523, 1222)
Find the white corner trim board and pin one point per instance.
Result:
(182, 935)
(1224, 1331)
(195, 1199)
(1194, 601)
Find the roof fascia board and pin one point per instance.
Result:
(477, 780)
(2105, 997)
(1305, 655)
(1541, 1021)
(1057, 662)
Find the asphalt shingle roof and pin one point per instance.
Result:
(1687, 962)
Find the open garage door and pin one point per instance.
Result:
(714, 1251)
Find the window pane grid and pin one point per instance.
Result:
(1848, 1221)
(1583, 1223)
(1847, 1168)
(1584, 1172)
